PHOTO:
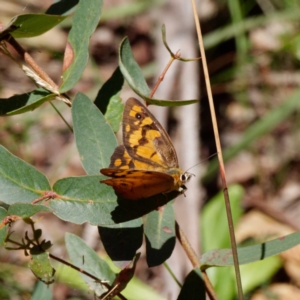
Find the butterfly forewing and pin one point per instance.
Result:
(120, 159)
(145, 139)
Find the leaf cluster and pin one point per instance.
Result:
(122, 224)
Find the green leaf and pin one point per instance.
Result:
(85, 21)
(193, 287)
(160, 235)
(136, 288)
(252, 279)
(42, 291)
(41, 267)
(70, 277)
(121, 241)
(30, 25)
(26, 210)
(18, 104)
(130, 210)
(134, 77)
(85, 258)
(215, 235)
(131, 70)
(4, 227)
(62, 7)
(95, 140)
(214, 228)
(223, 257)
(223, 281)
(257, 130)
(114, 112)
(84, 199)
(110, 88)
(171, 103)
(19, 181)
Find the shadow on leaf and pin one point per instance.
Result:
(156, 257)
(132, 209)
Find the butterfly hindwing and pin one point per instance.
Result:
(136, 184)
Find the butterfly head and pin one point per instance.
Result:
(180, 179)
(185, 177)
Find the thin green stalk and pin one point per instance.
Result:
(172, 274)
(225, 33)
(62, 117)
(240, 39)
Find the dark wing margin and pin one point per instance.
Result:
(120, 159)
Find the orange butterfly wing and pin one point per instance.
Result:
(138, 184)
(145, 139)
(147, 163)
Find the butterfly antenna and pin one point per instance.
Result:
(202, 161)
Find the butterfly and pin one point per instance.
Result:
(147, 164)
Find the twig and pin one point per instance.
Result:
(85, 273)
(162, 76)
(194, 260)
(31, 62)
(220, 157)
(48, 195)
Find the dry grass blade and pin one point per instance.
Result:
(220, 157)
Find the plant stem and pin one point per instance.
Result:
(194, 260)
(172, 274)
(220, 157)
(162, 76)
(31, 62)
(84, 272)
(48, 195)
(62, 117)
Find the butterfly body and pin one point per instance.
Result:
(147, 164)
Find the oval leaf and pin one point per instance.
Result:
(85, 21)
(62, 7)
(193, 287)
(114, 112)
(41, 267)
(18, 104)
(160, 235)
(19, 181)
(95, 139)
(84, 199)
(85, 258)
(109, 89)
(42, 291)
(130, 210)
(121, 241)
(31, 25)
(26, 210)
